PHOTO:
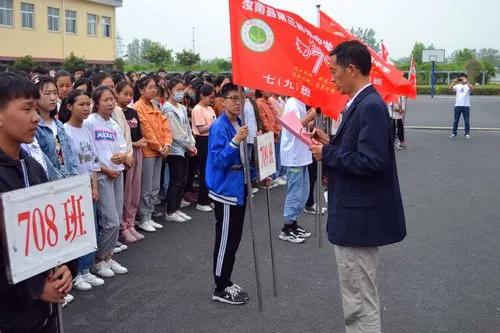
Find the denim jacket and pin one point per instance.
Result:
(47, 143)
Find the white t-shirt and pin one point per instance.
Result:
(108, 140)
(463, 95)
(250, 121)
(84, 149)
(293, 152)
(33, 149)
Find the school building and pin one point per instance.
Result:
(49, 30)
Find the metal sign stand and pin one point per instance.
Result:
(271, 240)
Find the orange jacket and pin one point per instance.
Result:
(269, 117)
(155, 128)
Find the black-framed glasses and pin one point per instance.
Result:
(233, 98)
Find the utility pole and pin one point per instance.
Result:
(193, 41)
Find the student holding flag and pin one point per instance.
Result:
(226, 183)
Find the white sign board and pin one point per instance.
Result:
(46, 225)
(266, 161)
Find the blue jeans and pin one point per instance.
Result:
(280, 171)
(297, 192)
(465, 110)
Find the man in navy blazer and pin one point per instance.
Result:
(365, 209)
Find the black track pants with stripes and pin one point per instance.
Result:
(228, 230)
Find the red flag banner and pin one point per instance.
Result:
(412, 73)
(385, 77)
(384, 53)
(277, 51)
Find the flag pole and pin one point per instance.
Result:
(248, 180)
(319, 176)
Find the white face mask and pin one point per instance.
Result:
(178, 96)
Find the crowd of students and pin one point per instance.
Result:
(144, 142)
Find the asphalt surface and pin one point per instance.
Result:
(443, 277)
(425, 111)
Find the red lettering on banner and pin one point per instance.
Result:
(41, 227)
(73, 216)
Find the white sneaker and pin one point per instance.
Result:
(93, 280)
(185, 204)
(146, 226)
(467, 136)
(122, 247)
(323, 209)
(116, 267)
(117, 249)
(453, 136)
(184, 215)
(155, 225)
(174, 218)
(103, 270)
(204, 208)
(67, 299)
(255, 190)
(80, 284)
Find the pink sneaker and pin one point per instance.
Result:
(128, 237)
(136, 234)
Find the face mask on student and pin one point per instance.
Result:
(192, 95)
(179, 96)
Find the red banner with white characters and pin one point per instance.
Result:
(277, 51)
(385, 77)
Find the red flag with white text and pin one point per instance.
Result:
(277, 51)
(385, 77)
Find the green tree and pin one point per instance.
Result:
(119, 64)
(146, 43)
(187, 58)
(417, 52)
(368, 36)
(489, 68)
(134, 52)
(158, 54)
(473, 68)
(460, 57)
(73, 62)
(492, 56)
(24, 64)
(223, 65)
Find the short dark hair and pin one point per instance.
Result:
(219, 79)
(97, 94)
(463, 75)
(64, 113)
(97, 79)
(353, 53)
(122, 85)
(227, 88)
(14, 86)
(205, 90)
(62, 73)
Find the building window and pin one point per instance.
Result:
(6, 12)
(91, 24)
(53, 16)
(106, 26)
(71, 21)
(27, 15)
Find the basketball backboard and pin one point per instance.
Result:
(433, 55)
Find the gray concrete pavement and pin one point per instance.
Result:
(442, 278)
(424, 111)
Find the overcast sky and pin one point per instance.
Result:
(448, 24)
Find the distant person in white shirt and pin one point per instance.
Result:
(462, 88)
